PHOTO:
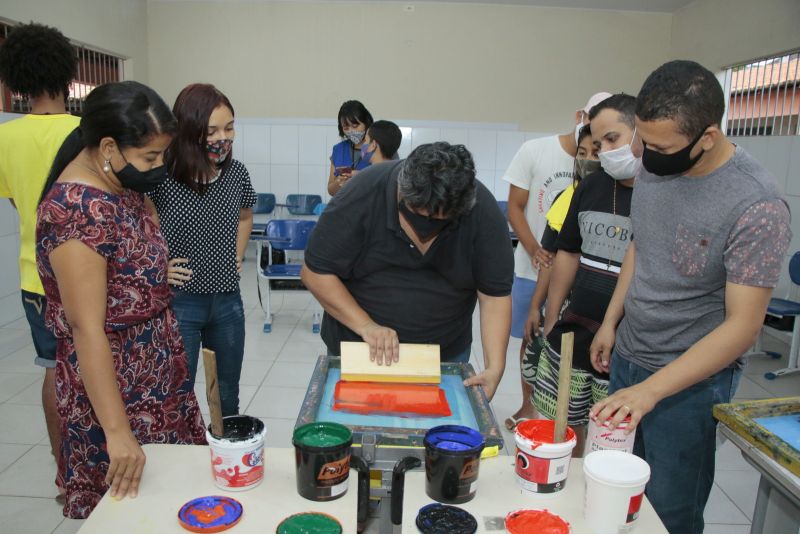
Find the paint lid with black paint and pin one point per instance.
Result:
(438, 518)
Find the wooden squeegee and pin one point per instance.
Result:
(419, 364)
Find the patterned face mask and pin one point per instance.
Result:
(354, 136)
(218, 150)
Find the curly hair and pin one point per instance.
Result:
(37, 59)
(440, 178)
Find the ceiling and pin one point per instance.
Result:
(653, 6)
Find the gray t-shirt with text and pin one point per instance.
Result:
(694, 235)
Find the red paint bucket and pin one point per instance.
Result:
(542, 466)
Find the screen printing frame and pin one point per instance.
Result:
(741, 417)
(400, 437)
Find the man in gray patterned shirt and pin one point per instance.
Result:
(711, 231)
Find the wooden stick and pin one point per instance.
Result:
(212, 392)
(564, 374)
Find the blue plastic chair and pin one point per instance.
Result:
(302, 204)
(282, 234)
(265, 205)
(780, 308)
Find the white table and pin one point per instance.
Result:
(498, 494)
(175, 474)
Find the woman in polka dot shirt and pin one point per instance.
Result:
(206, 215)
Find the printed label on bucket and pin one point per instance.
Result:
(332, 473)
(470, 469)
(338, 489)
(541, 475)
(237, 471)
(602, 438)
(633, 508)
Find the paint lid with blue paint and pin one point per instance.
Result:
(454, 439)
(438, 518)
(214, 513)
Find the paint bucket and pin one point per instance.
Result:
(542, 466)
(602, 438)
(452, 460)
(322, 460)
(526, 521)
(615, 483)
(237, 458)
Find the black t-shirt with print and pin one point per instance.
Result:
(203, 227)
(598, 227)
(426, 298)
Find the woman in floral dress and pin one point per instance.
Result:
(121, 372)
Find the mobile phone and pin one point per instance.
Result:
(338, 171)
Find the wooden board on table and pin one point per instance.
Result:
(419, 364)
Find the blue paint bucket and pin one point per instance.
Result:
(452, 460)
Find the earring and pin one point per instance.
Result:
(107, 166)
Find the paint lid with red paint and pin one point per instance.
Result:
(214, 513)
(539, 521)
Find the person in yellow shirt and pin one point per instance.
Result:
(39, 63)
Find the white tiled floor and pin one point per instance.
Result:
(276, 371)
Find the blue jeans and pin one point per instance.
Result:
(44, 341)
(678, 440)
(521, 294)
(217, 321)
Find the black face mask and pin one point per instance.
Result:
(142, 181)
(669, 164)
(425, 227)
(585, 167)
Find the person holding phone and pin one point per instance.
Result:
(354, 120)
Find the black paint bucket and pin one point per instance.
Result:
(322, 460)
(452, 460)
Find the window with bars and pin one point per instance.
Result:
(763, 96)
(94, 68)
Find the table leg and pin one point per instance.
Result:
(760, 510)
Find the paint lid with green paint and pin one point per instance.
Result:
(322, 436)
(310, 523)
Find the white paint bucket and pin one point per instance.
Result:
(615, 483)
(237, 458)
(542, 466)
(602, 438)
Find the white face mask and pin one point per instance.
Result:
(620, 163)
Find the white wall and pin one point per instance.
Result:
(524, 65)
(721, 33)
(291, 155)
(10, 301)
(118, 26)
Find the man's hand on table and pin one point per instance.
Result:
(489, 379)
(384, 345)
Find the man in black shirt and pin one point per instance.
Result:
(403, 253)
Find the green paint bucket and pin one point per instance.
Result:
(322, 460)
